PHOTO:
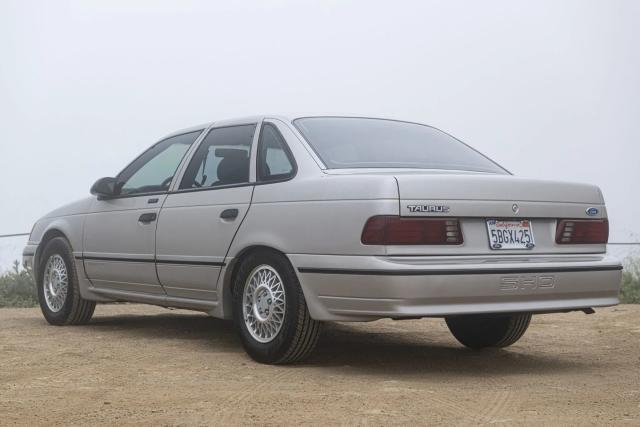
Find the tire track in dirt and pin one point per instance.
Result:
(494, 408)
(232, 402)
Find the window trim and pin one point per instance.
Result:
(219, 187)
(182, 173)
(154, 193)
(289, 176)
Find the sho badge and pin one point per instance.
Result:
(428, 208)
(527, 283)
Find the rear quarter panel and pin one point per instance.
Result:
(317, 215)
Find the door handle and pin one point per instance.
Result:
(147, 218)
(229, 214)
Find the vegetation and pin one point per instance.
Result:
(17, 288)
(630, 292)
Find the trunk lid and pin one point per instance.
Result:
(494, 188)
(476, 198)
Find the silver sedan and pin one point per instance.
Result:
(281, 223)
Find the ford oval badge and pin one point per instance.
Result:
(592, 211)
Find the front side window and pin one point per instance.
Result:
(275, 161)
(153, 171)
(351, 142)
(221, 159)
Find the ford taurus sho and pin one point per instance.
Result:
(282, 223)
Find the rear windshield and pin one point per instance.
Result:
(346, 142)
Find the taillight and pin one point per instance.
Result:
(394, 230)
(577, 231)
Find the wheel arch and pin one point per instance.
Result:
(231, 270)
(49, 235)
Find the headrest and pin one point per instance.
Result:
(234, 166)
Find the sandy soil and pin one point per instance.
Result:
(140, 365)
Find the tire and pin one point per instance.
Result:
(480, 331)
(283, 330)
(70, 309)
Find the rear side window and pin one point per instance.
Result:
(221, 159)
(275, 161)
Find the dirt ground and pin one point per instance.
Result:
(141, 365)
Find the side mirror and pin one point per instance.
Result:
(105, 188)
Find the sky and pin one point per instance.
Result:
(548, 89)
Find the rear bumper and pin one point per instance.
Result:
(360, 288)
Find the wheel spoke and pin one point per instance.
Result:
(55, 282)
(264, 303)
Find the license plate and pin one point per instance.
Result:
(510, 234)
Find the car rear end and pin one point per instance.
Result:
(443, 257)
(469, 242)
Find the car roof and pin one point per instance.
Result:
(257, 118)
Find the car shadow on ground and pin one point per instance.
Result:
(405, 353)
(204, 332)
(341, 345)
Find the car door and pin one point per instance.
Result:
(201, 216)
(120, 232)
